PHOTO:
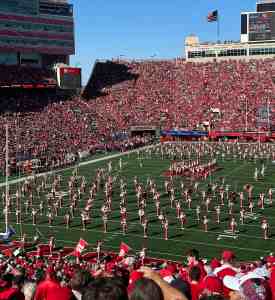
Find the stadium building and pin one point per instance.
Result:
(257, 38)
(37, 34)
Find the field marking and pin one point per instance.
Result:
(157, 238)
(117, 248)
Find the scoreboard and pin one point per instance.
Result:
(261, 26)
(69, 78)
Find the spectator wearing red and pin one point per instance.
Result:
(193, 259)
(50, 288)
(227, 267)
(195, 276)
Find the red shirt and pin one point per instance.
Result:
(11, 293)
(44, 288)
(195, 290)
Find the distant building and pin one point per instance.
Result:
(36, 32)
(257, 38)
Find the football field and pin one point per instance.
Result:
(232, 172)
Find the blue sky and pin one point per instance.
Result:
(140, 29)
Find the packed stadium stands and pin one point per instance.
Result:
(178, 94)
(52, 128)
(227, 95)
(11, 76)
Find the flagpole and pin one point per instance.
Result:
(7, 176)
(218, 28)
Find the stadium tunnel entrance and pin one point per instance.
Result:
(144, 131)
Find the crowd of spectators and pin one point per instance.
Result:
(168, 94)
(225, 95)
(21, 75)
(54, 129)
(121, 277)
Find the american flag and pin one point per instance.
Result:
(213, 16)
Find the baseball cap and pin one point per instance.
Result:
(234, 283)
(228, 255)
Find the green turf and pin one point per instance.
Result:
(249, 245)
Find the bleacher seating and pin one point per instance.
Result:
(178, 94)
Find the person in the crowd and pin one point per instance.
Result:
(195, 276)
(80, 280)
(168, 291)
(105, 289)
(146, 289)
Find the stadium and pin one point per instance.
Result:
(155, 179)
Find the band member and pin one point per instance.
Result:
(142, 255)
(242, 211)
(98, 250)
(50, 218)
(18, 216)
(207, 203)
(161, 217)
(241, 199)
(222, 197)
(165, 228)
(141, 214)
(261, 200)
(265, 227)
(34, 216)
(167, 186)
(233, 225)
(120, 164)
(51, 245)
(218, 214)
(263, 170)
(56, 207)
(205, 223)
(198, 213)
(145, 227)
(67, 219)
(23, 240)
(123, 212)
(230, 207)
(172, 200)
(182, 218)
(251, 206)
(41, 208)
(158, 207)
(256, 173)
(85, 218)
(124, 226)
(105, 221)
